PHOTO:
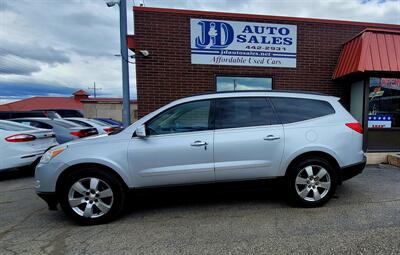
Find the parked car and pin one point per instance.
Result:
(65, 131)
(111, 122)
(66, 113)
(309, 139)
(22, 145)
(102, 128)
(28, 114)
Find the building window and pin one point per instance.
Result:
(384, 103)
(231, 83)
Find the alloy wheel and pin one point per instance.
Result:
(313, 183)
(90, 197)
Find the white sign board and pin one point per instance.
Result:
(221, 42)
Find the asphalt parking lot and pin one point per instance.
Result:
(363, 218)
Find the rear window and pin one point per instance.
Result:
(292, 110)
(9, 126)
(66, 124)
(81, 123)
(98, 122)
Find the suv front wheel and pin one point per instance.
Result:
(92, 196)
(312, 182)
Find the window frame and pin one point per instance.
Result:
(243, 76)
(210, 118)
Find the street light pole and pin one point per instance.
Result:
(126, 104)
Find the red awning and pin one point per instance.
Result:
(131, 42)
(376, 50)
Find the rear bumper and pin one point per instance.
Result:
(350, 171)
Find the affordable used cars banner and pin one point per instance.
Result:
(221, 42)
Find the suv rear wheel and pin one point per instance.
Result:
(312, 182)
(92, 196)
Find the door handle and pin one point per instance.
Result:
(198, 143)
(271, 138)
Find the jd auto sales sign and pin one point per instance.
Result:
(221, 42)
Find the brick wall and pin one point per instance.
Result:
(168, 74)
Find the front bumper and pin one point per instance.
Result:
(350, 171)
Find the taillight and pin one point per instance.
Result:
(355, 126)
(108, 129)
(79, 134)
(20, 138)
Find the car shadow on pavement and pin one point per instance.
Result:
(254, 192)
(17, 173)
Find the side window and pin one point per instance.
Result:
(40, 125)
(292, 110)
(243, 112)
(25, 122)
(188, 117)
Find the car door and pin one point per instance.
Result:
(178, 147)
(248, 139)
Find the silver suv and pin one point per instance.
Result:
(308, 139)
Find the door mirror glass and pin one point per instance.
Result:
(141, 131)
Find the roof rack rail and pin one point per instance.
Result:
(244, 91)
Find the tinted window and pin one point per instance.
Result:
(69, 113)
(65, 123)
(98, 122)
(243, 112)
(36, 124)
(81, 123)
(187, 117)
(11, 115)
(298, 109)
(10, 126)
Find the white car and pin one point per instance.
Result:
(22, 145)
(102, 128)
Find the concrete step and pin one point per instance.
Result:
(374, 158)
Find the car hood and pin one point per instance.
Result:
(88, 140)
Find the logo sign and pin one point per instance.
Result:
(221, 42)
(390, 83)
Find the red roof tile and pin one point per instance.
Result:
(39, 103)
(375, 50)
(80, 92)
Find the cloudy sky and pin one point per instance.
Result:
(54, 47)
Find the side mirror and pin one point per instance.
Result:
(141, 131)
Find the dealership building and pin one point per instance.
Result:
(186, 52)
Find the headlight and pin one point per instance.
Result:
(51, 154)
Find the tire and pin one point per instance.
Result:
(311, 182)
(92, 196)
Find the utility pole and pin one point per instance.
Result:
(126, 104)
(94, 89)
